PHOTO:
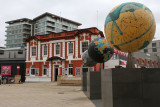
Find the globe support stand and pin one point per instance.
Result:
(130, 61)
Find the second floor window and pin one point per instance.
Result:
(57, 49)
(45, 50)
(153, 44)
(70, 48)
(154, 49)
(33, 51)
(84, 46)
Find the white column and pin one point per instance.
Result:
(27, 54)
(39, 49)
(49, 72)
(76, 44)
(63, 70)
(50, 54)
(63, 55)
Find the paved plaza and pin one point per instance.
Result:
(43, 95)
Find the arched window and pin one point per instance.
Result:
(33, 70)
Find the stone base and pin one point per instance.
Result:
(84, 81)
(37, 79)
(94, 85)
(131, 87)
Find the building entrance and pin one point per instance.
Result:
(56, 68)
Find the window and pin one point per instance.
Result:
(153, 44)
(20, 51)
(70, 48)
(154, 49)
(33, 71)
(45, 50)
(84, 46)
(57, 49)
(44, 69)
(1, 52)
(145, 50)
(33, 51)
(70, 67)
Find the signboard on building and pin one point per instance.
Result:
(6, 70)
(78, 73)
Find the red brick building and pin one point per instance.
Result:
(58, 54)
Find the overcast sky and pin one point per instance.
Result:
(82, 11)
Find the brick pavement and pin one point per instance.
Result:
(42, 95)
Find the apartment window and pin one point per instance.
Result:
(57, 49)
(145, 50)
(70, 67)
(45, 50)
(70, 48)
(84, 46)
(154, 49)
(44, 69)
(153, 44)
(33, 70)
(33, 51)
(1, 52)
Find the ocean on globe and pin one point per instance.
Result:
(99, 50)
(130, 27)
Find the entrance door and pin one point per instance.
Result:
(56, 67)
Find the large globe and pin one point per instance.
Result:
(130, 27)
(99, 50)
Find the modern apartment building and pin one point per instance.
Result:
(47, 23)
(153, 48)
(17, 32)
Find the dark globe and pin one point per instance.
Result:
(87, 60)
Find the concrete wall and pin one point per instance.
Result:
(136, 87)
(12, 54)
(84, 81)
(94, 85)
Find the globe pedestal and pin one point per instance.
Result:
(130, 61)
(130, 87)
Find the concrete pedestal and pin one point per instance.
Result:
(94, 85)
(84, 81)
(131, 87)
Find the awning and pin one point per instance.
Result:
(55, 58)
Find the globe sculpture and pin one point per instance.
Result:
(130, 27)
(99, 50)
(87, 60)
